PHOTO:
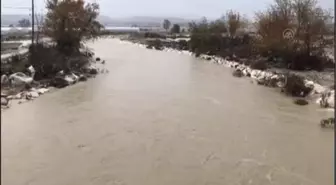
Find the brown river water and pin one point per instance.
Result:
(161, 118)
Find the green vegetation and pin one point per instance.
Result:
(23, 23)
(166, 24)
(175, 29)
(229, 37)
(68, 22)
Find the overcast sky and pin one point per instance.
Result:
(167, 8)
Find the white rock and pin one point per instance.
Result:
(18, 96)
(318, 89)
(309, 83)
(4, 79)
(274, 77)
(33, 94)
(71, 78)
(31, 69)
(60, 73)
(20, 79)
(327, 99)
(42, 90)
(4, 101)
(255, 74)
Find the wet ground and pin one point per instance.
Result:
(163, 118)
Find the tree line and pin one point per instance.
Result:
(292, 33)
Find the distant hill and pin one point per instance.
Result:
(142, 21)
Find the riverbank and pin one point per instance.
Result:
(321, 93)
(21, 82)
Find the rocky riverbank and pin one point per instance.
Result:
(20, 87)
(303, 86)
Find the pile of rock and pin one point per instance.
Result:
(289, 83)
(22, 96)
(29, 89)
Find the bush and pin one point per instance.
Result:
(259, 64)
(154, 35)
(302, 61)
(295, 86)
(175, 29)
(48, 61)
(157, 44)
(183, 45)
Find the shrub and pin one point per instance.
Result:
(157, 44)
(48, 61)
(259, 64)
(295, 86)
(183, 45)
(175, 29)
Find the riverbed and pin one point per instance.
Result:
(160, 118)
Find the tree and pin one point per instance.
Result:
(218, 26)
(311, 23)
(308, 24)
(166, 24)
(234, 22)
(68, 22)
(24, 23)
(175, 29)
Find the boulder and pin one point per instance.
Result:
(31, 69)
(149, 47)
(92, 70)
(318, 89)
(237, 73)
(71, 78)
(82, 78)
(59, 82)
(327, 99)
(97, 59)
(32, 95)
(329, 122)
(60, 73)
(4, 101)
(255, 73)
(301, 102)
(42, 90)
(18, 96)
(273, 80)
(4, 80)
(20, 78)
(261, 80)
(295, 86)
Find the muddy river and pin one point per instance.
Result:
(160, 118)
